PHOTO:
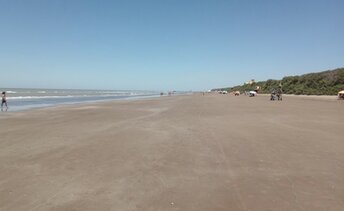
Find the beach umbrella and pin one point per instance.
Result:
(341, 92)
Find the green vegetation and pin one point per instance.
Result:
(322, 83)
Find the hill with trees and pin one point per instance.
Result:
(321, 83)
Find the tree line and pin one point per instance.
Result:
(322, 83)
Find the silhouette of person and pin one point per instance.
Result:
(3, 101)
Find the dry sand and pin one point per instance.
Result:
(213, 152)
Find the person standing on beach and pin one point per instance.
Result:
(3, 100)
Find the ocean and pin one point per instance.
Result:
(23, 99)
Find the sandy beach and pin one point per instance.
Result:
(212, 152)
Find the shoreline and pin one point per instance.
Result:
(26, 98)
(310, 97)
(33, 107)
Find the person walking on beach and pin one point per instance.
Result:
(3, 100)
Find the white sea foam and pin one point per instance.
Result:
(72, 96)
(39, 97)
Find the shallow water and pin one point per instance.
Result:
(22, 99)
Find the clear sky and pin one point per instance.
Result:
(165, 44)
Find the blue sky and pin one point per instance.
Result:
(165, 44)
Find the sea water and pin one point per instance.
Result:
(22, 99)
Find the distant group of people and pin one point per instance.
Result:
(276, 94)
(3, 101)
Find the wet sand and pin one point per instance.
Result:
(213, 152)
